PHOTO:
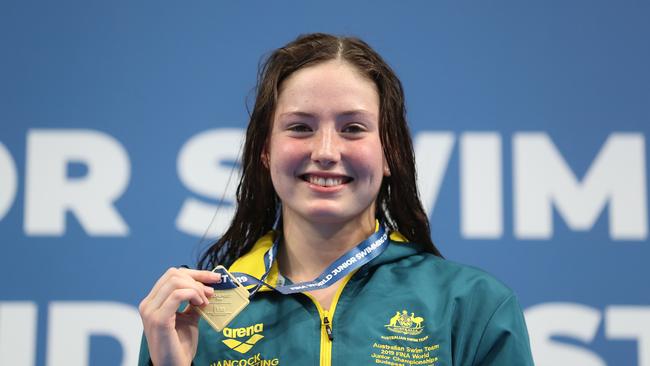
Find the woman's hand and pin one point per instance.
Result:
(172, 336)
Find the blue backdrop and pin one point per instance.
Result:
(121, 121)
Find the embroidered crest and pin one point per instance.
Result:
(403, 323)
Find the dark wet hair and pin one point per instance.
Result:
(398, 204)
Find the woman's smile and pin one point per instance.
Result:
(325, 180)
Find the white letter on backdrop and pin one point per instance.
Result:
(630, 322)
(8, 181)
(18, 333)
(481, 185)
(205, 166)
(543, 179)
(50, 193)
(567, 320)
(432, 152)
(71, 324)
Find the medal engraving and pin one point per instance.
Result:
(224, 305)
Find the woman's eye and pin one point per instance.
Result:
(353, 128)
(299, 128)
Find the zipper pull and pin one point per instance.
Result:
(328, 328)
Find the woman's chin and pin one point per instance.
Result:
(326, 217)
(332, 216)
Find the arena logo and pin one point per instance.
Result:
(542, 182)
(243, 339)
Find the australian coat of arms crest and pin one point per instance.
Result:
(404, 323)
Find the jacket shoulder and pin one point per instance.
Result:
(469, 280)
(455, 280)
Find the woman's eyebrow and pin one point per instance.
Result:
(356, 112)
(350, 113)
(297, 114)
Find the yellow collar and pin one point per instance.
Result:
(252, 263)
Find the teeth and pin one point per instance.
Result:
(325, 182)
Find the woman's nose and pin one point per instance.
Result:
(326, 149)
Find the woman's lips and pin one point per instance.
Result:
(326, 180)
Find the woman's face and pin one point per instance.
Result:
(325, 154)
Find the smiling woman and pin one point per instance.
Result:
(331, 238)
(326, 162)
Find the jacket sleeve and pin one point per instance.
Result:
(505, 338)
(144, 359)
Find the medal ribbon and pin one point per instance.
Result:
(356, 257)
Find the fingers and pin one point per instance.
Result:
(173, 301)
(177, 285)
(203, 276)
(174, 283)
(175, 274)
(171, 273)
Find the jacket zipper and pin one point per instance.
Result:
(326, 341)
(328, 329)
(326, 316)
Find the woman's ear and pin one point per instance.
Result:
(386, 169)
(265, 158)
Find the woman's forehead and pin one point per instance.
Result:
(330, 86)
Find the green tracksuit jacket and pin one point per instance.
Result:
(404, 308)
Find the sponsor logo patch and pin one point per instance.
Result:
(243, 339)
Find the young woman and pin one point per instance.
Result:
(328, 162)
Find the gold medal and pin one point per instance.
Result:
(224, 305)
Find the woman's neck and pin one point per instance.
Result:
(308, 248)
